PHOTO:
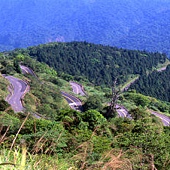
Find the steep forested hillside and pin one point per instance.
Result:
(156, 84)
(129, 24)
(100, 64)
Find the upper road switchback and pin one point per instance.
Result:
(27, 70)
(77, 88)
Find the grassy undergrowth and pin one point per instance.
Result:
(3, 87)
(20, 159)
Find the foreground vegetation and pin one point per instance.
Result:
(85, 141)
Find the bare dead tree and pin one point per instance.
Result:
(115, 96)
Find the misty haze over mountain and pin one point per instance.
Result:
(129, 24)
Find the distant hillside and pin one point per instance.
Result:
(129, 24)
(97, 63)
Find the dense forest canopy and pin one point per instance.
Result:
(129, 24)
(156, 84)
(99, 64)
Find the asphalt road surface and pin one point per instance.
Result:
(77, 88)
(27, 70)
(165, 119)
(73, 102)
(122, 112)
(162, 69)
(18, 89)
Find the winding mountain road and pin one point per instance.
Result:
(122, 112)
(165, 119)
(73, 102)
(77, 88)
(19, 88)
(27, 70)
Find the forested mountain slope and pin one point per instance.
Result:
(129, 24)
(100, 64)
(156, 84)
